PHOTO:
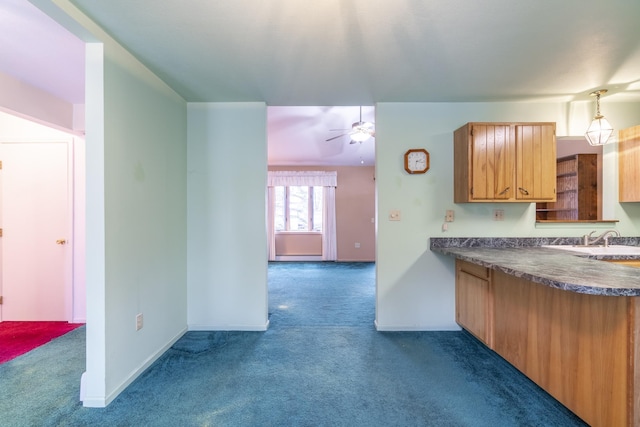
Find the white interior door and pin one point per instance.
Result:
(34, 205)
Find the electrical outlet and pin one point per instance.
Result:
(394, 215)
(139, 321)
(449, 216)
(498, 214)
(357, 245)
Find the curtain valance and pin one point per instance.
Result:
(302, 178)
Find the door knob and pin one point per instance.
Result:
(61, 242)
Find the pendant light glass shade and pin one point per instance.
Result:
(599, 132)
(600, 129)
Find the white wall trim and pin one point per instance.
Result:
(248, 328)
(97, 402)
(413, 328)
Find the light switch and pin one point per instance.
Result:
(394, 215)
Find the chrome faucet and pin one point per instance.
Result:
(589, 240)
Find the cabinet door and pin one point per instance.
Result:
(473, 304)
(492, 165)
(535, 162)
(629, 165)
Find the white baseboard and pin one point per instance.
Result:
(101, 402)
(414, 328)
(248, 328)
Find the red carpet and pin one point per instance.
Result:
(17, 338)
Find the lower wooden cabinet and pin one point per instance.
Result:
(577, 347)
(474, 300)
(584, 350)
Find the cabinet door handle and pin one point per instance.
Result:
(504, 191)
(523, 191)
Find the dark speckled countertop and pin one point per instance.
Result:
(524, 257)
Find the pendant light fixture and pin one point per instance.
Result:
(600, 130)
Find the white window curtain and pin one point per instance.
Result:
(329, 244)
(326, 179)
(271, 192)
(302, 178)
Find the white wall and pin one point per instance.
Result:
(20, 98)
(227, 238)
(136, 128)
(145, 215)
(415, 287)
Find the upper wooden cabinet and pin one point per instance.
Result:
(505, 162)
(629, 164)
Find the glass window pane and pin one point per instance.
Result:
(279, 211)
(318, 204)
(298, 208)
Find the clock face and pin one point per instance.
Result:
(416, 161)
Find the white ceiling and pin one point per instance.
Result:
(298, 136)
(351, 52)
(358, 52)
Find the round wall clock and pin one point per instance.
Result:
(416, 161)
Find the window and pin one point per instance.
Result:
(319, 188)
(298, 208)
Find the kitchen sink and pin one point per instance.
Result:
(599, 250)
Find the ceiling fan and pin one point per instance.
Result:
(360, 131)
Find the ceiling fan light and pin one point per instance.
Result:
(366, 125)
(599, 131)
(361, 131)
(360, 136)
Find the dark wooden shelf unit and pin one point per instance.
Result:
(576, 190)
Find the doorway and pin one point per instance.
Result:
(36, 237)
(310, 141)
(304, 139)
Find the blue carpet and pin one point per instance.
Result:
(321, 294)
(321, 363)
